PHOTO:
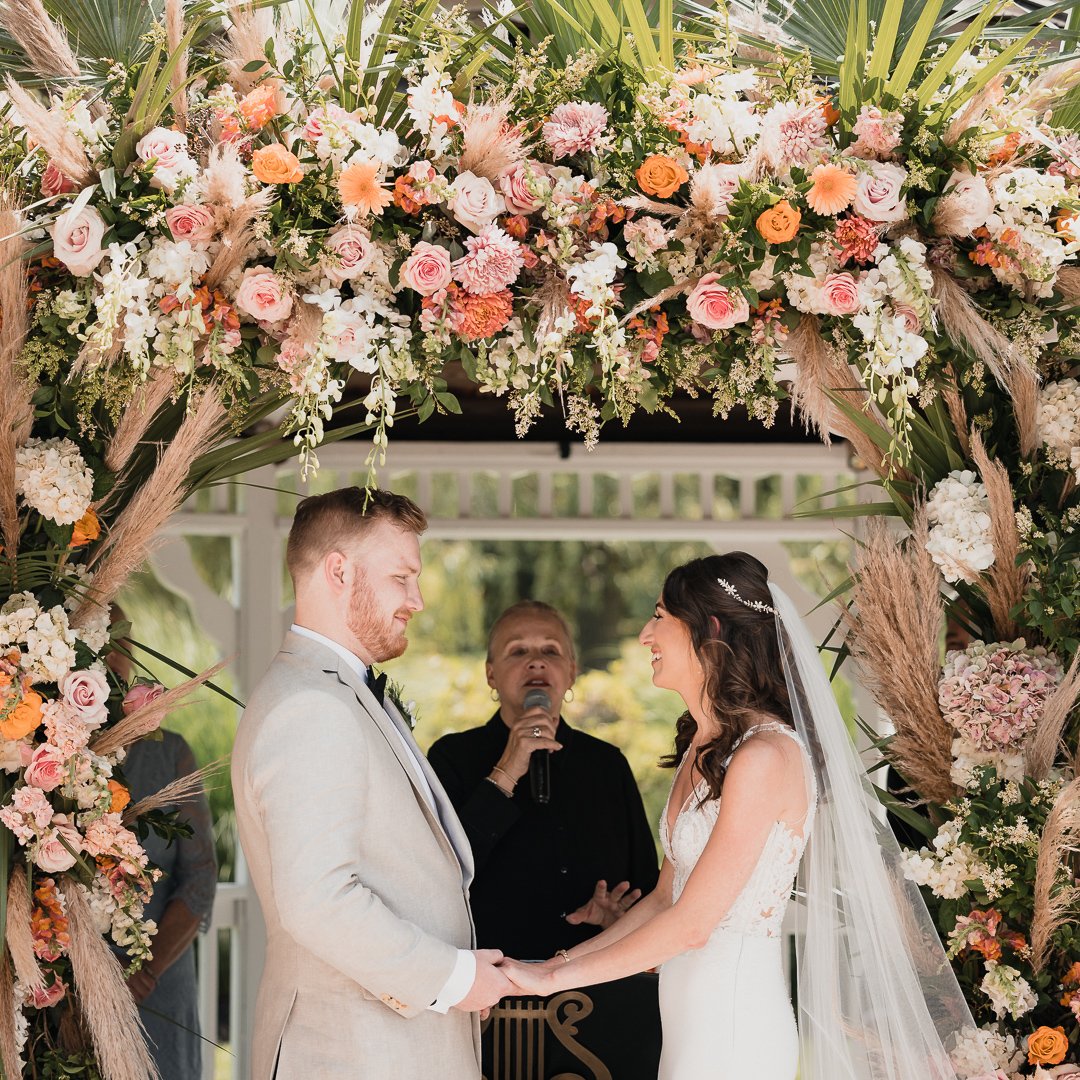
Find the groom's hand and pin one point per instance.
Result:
(490, 985)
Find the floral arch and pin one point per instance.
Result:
(583, 207)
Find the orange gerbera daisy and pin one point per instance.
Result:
(360, 188)
(832, 189)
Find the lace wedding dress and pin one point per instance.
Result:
(725, 1007)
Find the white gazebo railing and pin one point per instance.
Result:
(729, 495)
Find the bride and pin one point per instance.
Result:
(768, 787)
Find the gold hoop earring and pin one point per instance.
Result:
(494, 694)
(569, 695)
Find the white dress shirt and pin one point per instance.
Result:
(464, 973)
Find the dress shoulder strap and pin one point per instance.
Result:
(772, 725)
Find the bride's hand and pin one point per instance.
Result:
(535, 979)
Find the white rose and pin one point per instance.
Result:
(77, 237)
(879, 195)
(474, 201)
(965, 206)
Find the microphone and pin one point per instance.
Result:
(540, 762)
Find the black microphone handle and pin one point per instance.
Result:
(540, 776)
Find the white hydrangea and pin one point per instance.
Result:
(970, 1052)
(946, 868)
(1008, 991)
(44, 638)
(94, 633)
(1058, 418)
(958, 509)
(52, 477)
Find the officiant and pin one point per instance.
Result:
(557, 864)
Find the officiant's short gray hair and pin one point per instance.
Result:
(336, 519)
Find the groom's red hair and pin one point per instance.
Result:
(336, 520)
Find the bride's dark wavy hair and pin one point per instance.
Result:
(738, 650)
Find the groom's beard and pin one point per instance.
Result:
(380, 635)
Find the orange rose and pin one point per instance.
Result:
(259, 106)
(87, 528)
(779, 223)
(120, 796)
(23, 718)
(1047, 1046)
(275, 165)
(661, 176)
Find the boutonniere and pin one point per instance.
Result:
(396, 693)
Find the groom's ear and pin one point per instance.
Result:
(336, 571)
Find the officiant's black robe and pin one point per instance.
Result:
(537, 863)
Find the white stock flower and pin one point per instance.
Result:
(1008, 991)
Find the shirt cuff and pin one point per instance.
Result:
(459, 983)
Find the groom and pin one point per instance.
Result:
(360, 863)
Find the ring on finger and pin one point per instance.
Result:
(536, 732)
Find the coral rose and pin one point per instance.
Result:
(23, 718)
(274, 164)
(76, 236)
(661, 176)
(427, 269)
(47, 769)
(120, 796)
(264, 296)
(715, 306)
(779, 223)
(87, 528)
(259, 106)
(1047, 1046)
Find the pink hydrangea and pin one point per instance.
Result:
(577, 127)
(995, 694)
(492, 261)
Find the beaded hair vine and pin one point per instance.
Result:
(757, 605)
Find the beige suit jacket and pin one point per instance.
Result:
(363, 887)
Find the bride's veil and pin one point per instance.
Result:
(877, 997)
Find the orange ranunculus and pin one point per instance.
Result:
(359, 186)
(779, 223)
(274, 164)
(87, 528)
(22, 718)
(1047, 1046)
(120, 796)
(1072, 976)
(830, 113)
(661, 176)
(259, 106)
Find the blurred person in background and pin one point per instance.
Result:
(166, 987)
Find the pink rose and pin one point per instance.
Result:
(519, 200)
(141, 694)
(76, 236)
(168, 150)
(474, 202)
(715, 306)
(912, 322)
(354, 252)
(54, 182)
(263, 295)
(85, 694)
(964, 207)
(879, 196)
(190, 221)
(427, 269)
(52, 855)
(313, 129)
(48, 995)
(840, 294)
(47, 769)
